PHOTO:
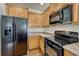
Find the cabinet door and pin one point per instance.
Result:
(22, 12)
(33, 42)
(67, 53)
(35, 19)
(16, 11)
(31, 19)
(41, 44)
(12, 11)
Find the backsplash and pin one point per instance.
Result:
(36, 29)
(65, 27)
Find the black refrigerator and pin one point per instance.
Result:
(13, 36)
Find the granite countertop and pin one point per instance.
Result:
(53, 40)
(73, 48)
(44, 34)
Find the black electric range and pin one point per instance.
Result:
(65, 38)
(54, 45)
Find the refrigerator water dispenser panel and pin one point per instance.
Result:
(7, 31)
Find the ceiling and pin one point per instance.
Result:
(34, 7)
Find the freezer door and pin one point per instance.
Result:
(6, 36)
(21, 36)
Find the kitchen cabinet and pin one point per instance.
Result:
(78, 12)
(41, 44)
(45, 19)
(33, 42)
(35, 19)
(12, 10)
(67, 53)
(36, 41)
(74, 10)
(75, 14)
(51, 10)
(64, 15)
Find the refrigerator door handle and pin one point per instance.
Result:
(14, 33)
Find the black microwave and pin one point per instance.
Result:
(66, 13)
(55, 18)
(63, 16)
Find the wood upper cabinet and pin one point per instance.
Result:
(75, 13)
(31, 20)
(16, 11)
(40, 20)
(45, 19)
(35, 19)
(51, 10)
(78, 12)
(74, 10)
(57, 6)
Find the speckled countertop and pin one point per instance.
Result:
(73, 48)
(44, 34)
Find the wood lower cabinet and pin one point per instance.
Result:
(67, 53)
(33, 42)
(41, 44)
(36, 41)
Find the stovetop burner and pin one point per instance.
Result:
(65, 39)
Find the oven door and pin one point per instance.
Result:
(52, 49)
